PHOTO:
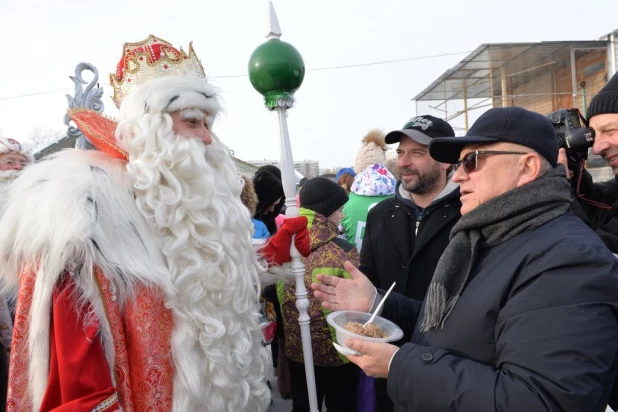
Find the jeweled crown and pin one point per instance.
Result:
(149, 59)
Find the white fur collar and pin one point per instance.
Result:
(74, 211)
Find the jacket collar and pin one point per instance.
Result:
(399, 215)
(450, 190)
(321, 230)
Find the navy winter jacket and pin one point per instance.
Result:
(535, 329)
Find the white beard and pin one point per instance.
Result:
(189, 194)
(6, 178)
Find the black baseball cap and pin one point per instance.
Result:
(421, 129)
(502, 124)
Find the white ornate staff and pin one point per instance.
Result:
(276, 70)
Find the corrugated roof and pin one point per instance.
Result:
(522, 62)
(64, 143)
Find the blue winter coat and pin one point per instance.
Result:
(535, 329)
(259, 230)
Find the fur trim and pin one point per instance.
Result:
(69, 213)
(76, 210)
(248, 196)
(273, 274)
(8, 145)
(167, 94)
(376, 137)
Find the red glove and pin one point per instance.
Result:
(277, 250)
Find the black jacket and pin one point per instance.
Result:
(535, 329)
(394, 250)
(268, 188)
(603, 218)
(397, 246)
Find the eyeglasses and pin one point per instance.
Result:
(470, 161)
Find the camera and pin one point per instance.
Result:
(572, 136)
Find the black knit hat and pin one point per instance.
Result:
(606, 101)
(322, 195)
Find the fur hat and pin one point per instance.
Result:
(322, 195)
(8, 145)
(248, 196)
(372, 151)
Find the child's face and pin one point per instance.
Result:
(337, 216)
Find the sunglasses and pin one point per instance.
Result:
(470, 161)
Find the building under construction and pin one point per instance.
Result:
(542, 77)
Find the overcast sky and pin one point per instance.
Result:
(44, 40)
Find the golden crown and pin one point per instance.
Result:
(149, 59)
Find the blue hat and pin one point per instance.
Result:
(343, 170)
(502, 124)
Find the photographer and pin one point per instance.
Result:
(600, 200)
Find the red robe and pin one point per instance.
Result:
(79, 374)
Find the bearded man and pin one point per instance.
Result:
(13, 158)
(138, 283)
(406, 235)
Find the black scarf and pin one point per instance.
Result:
(488, 225)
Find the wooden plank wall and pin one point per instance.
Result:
(553, 90)
(536, 95)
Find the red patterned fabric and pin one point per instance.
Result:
(144, 368)
(18, 398)
(147, 54)
(79, 377)
(100, 131)
(121, 361)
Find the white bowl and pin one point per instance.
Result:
(339, 319)
(345, 351)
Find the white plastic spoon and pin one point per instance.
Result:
(375, 312)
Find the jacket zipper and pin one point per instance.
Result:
(418, 222)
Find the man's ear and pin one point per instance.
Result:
(445, 166)
(530, 167)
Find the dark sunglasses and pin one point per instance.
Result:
(470, 161)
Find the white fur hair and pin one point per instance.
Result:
(189, 194)
(6, 178)
(165, 95)
(68, 213)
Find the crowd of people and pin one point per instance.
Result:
(506, 292)
(133, 276)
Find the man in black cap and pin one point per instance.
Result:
(405, 235)
(600, 200)
(521, 314)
